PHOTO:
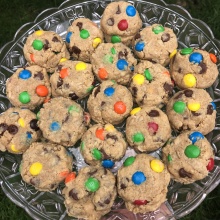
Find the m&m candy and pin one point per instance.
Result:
(139, 46)
(13, 148)
(192, 151)
(35, 168)
(102, 73)
(122, 64)
(37, 44)
(213, 58)
(129, 161)
(84, 34)
(68, 36)
(100, 134)
(92, 184)
(107, 163)
(135, 110)
(115, 39)
(123, 25)
(158, 29)
(24, 74)
(21, 122)
(189, 80)
(64, 73)
(70, 177)
(41, 91)
(109, 91)
(196, 58)
(194, 106)
(148, 75)
(138, 137)
(179, 107)
(138, 178)
(157, 166)
(210, 165)
(120, 107)
(140, 202)
(96, 154)
(80, 66)
(131, 11)
(195, 136)
(54, 126)
(138, 79)
(96, 42)
(24, 97)
(186, 51)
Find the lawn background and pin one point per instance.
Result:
(14, 13)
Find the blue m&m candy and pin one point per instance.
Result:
(109, 91)
(195, 57)
(131, 11)
(29, 136)
(68, 37)
(107, 163)
(139, 46)
(213, 105)
(195, 136)
(138, 178)
(54, 126)
(25, 74)
(122, 64)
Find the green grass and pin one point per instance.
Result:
(14, 13)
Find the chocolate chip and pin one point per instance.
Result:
(203, 68)
(59, 82)
(107, 201)
(110, 21)
(59, 67)
(188, 93)
(55, 39)
(73, 194)
(184, 173)
(165, 37)
(93, 172)
(153, 113)
(122, 54)
(79, 24)
(142, 100)
(179, 70)
(137, 36)
(66, 85)
(39, 75)
(118, 10)
(134, 91)
(179, 95)
(196, 114)
(168, 88)
(97, 90)
(52, 186)
(151, 60)
(180, 128)
(66, 118)
(32, 182)
(46, 45)
(105, 156)
(56, 52)
(12, 129)
(101, 204)
(209, 110)
(75, 50)
(123, 186)
(33, 124)
(73, 96)
(113, 137)
(105, 171)
(3, 128)
(102, 103)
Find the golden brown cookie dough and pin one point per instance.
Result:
(189, 157)
(45, 49)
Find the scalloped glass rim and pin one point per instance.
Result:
(178, 10)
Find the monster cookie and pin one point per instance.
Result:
(113, 61)
(28, 87)
(91, 194)
(192, 109)
(45, 165)
(18, 129)
(189, 157)
(120, 22)
(46, 49)
(142, 182)
(151, 85)
(83, 36)
(103, 145)
(194, 68)
(155, 43)
(72, 79)
(110, 103)
(147, 129)
(63, 121)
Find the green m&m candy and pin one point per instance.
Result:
(108, 59)
(148, 75)
(186, 51)
(82, 145)
(92, 184)
(37, 44)
(73, 108)
(138, 137)
(192, 151)
(90, 88)
(158, 29)
(84, 34)
(24, 97)
(129, 161)
(179, 107)
(169, 158)
(115, 39)
(96, 154)
(38, 115)
(113, 51)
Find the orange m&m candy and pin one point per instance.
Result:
(64, 174)
(213, 58)
(42, 90)
(71, 176)
(32, 57)
(64, 73)
(120, 107)
(102, 73)
(100, 134)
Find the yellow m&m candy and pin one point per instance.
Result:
(96, 42)
(194, 106)
(80, 66)
(21, 122)
(109, 128)
(189, 80)
(62, 60)
(157, 166)
(35, 168)
(173, 53)
(135, 110)
(39, 32)
(138, 79)
(13, 148)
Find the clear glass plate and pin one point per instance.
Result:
(181, 199)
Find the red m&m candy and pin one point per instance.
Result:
(140, 202)
(122, 25)
(210, 165)
(120, 107)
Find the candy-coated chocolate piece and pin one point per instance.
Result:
(213, 58)
(29, 136)
(169, 158)
(80, 66)
(32, 57)
(24, 97)
(100, 134)
(37, 44)
(96, 42)
(135, 110)
(123, 25)
(109, 128)
(173, 54)
(108, 59)
(39, 32)
(196, 58)
(148, 75)
(73, 108)
(115, 39)
(103, 74)
(92, 184)
(138, 178)
(13, 148)
(21, 122)
(42, 91)
(210, 165)
(70, 177)
(186, 51)
(195, 136)
(62, 60)
(194, 106)
(64, 73)
(96, 154)
(84, 34)
(64, 174)
(140, 202)
(179, 107)
(54, 126)
(153, 127)
(138, 79)
(113, 51)
(82, 145)
(35, 168)
(130, 11)
(129, 161)
(122, 64)
(107, 163)
(90, 88)
(158, 29)
(109, 91)
(25, 74)
(192, 151)
(138, 137)
(68, 36)
(157, 166)
(139, 46)
(189, 80)
(213, 105)
(38, 115)
(120, 107)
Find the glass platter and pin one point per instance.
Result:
(181, 199)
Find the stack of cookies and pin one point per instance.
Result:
(111, 89)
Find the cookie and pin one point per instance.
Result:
(192, 109)
(28, 87)
(72, 79)
(156, 44)
(45, 165)
(142, 182)
(151, 85)
(91, 194)
(83, 36)
(110, 103)
(102, 145)
(45, 49)
(189, 157)
(147, 129)
(18, 130)
(194, 68)
(120, 22)
(114, 62)
(63, 121)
